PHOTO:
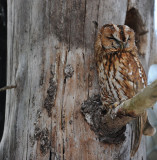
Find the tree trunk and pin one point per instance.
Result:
(51, 60)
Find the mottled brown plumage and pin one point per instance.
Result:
(121, 74)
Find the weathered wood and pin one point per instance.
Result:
(43, 119)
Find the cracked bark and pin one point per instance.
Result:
(43, 38)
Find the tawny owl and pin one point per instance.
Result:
(121, 74)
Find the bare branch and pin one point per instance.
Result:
(140, 102)
(7, 87)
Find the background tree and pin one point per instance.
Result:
(3, 55)
(51, 60)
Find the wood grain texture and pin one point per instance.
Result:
(43, 38)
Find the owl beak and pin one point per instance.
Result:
(122, 45)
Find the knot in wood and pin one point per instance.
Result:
(68, 71)
(100, 121)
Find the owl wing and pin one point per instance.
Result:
(141, 124)
(140, 81)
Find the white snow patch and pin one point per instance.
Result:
(152, 73)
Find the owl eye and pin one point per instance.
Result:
(111, 38)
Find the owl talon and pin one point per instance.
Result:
(114, 109)
(113, 114)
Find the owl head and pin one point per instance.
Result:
(114, 38)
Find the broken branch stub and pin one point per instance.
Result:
(108, 130)
(7, 87)
(112, 130)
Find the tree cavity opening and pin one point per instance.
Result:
(134, 21)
